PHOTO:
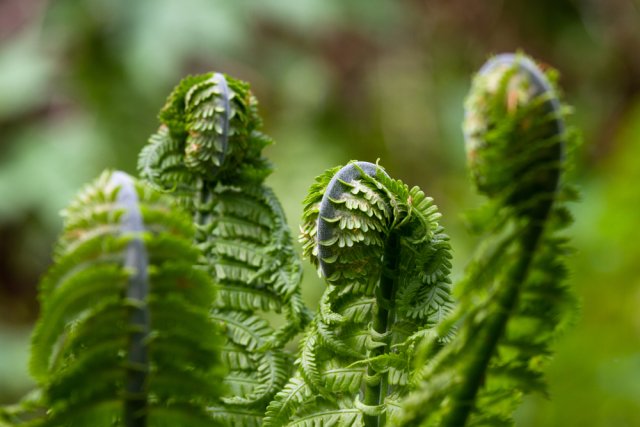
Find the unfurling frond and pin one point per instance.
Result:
(172, 300)
(124, 338)
(512, 299)
(386, 261)
(208, 154)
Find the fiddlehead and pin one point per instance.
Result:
(208, 153)
(386, 262)
(512, 298)
(124, 338)
(514, 135)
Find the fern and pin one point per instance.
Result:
(124, 337)
(378, 245)
(207, 153)
(175, 309)
(512, 300)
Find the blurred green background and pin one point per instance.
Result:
(81, 82)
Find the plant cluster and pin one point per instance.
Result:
(173, 297)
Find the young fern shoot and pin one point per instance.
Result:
(173, 310)
(124, 338)
(208, 154)
(512, 300)
(386, 262)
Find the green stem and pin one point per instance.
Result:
(201, 213)
(376, 382)
(136, 260)
(464, 401)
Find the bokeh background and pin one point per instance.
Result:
(81, 82)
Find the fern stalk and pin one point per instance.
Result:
(376, 383)
(507, 300)
(136, 260)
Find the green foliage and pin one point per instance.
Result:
(208, 154)
(513, 300)
(386, 261)
(144, 284)
(124, 337)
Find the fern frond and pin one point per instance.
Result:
(370, 236)
(338, 417)
(293, 396)
(512, 300)
(124, 337)
(208, 154)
